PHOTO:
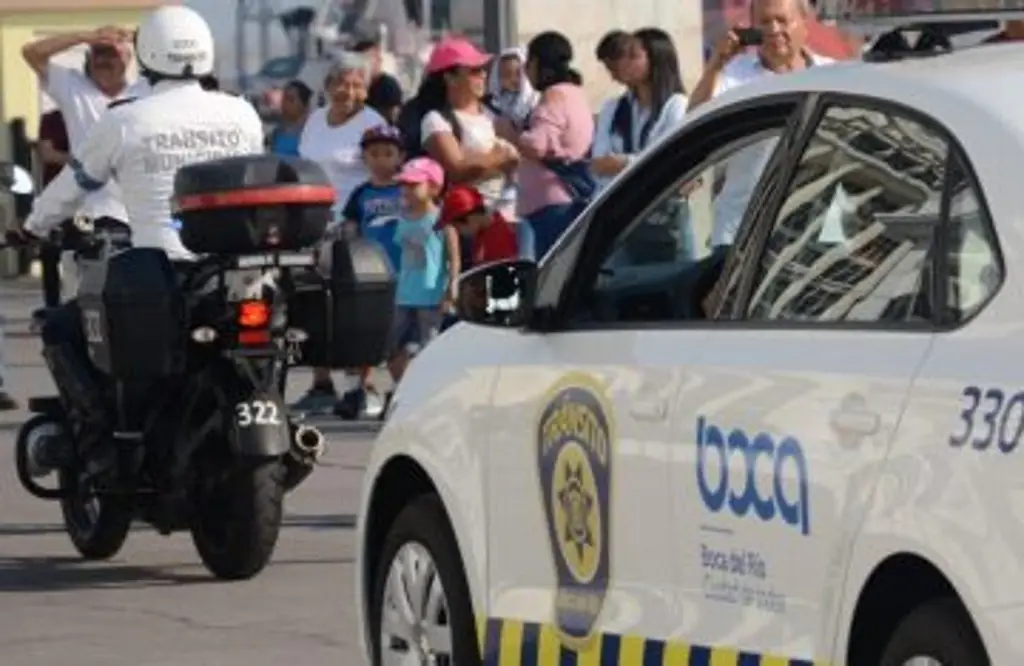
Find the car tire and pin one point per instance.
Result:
(940, 630)
(424, 523)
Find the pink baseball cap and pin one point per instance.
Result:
(421, 170)
(455, 52)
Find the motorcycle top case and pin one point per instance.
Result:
(252, 204)
(133, 315)
(346, 305)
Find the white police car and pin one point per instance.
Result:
(826, 469)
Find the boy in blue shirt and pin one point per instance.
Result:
(372, 211)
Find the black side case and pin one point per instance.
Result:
(251, 204)
(346, 306)
(133, 315)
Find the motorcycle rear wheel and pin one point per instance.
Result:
(237, 520)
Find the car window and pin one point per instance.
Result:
(649, 273)
(853, 238)
(975, 269)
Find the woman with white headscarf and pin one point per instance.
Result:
(331, 137)
(510, 93)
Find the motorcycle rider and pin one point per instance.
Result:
(140, 143)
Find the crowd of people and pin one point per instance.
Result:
(493, 157)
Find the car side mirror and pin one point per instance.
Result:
(15, 179)
(498, 294)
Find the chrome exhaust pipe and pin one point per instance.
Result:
(308, 445)
(310, 442)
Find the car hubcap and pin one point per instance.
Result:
(415, 628)
(922, 661)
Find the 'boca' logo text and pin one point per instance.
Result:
(735, 489)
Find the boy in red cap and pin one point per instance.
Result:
(492, 236)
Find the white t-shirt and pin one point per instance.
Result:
(744, 168)
(607, 142)
(478, 137)
(336, 149)
(82, 103)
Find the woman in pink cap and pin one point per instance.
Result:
(450, 123)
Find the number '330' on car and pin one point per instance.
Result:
(800, 448)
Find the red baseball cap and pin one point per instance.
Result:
(460, 201)
(455, 52)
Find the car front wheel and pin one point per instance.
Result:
(421, 611)
(937, 633)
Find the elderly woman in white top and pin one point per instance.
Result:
(331, 134)
(331, 138)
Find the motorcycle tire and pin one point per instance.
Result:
(235, 528)
(97, 532)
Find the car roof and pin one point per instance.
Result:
(958, 89)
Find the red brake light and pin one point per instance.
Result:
(253, 314)
(254, 338)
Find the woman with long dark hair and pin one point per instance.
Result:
(560, 131)
(454, 126)
(656, 104)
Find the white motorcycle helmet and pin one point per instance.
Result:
(176, 43)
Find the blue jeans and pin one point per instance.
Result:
(549, 223)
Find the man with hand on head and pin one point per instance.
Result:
(82, 96)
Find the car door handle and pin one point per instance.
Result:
(856, 422)
(654, 409)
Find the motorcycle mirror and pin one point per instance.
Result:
(15, 179)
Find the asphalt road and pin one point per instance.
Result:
(155, 604)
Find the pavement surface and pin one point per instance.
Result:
(155, 604)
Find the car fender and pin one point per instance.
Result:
(431, 426)
(868, 554)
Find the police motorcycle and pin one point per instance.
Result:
(180, 421)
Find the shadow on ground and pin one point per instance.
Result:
(55, 574)
(292, 521)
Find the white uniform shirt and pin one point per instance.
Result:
(81, 104)
(744, 168)
(141, 144)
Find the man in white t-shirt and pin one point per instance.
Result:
(782, 25)
(82, 97)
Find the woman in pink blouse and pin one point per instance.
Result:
(560, 129)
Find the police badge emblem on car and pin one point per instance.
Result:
(575, 440)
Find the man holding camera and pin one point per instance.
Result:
(775, 44)
(779, 31)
